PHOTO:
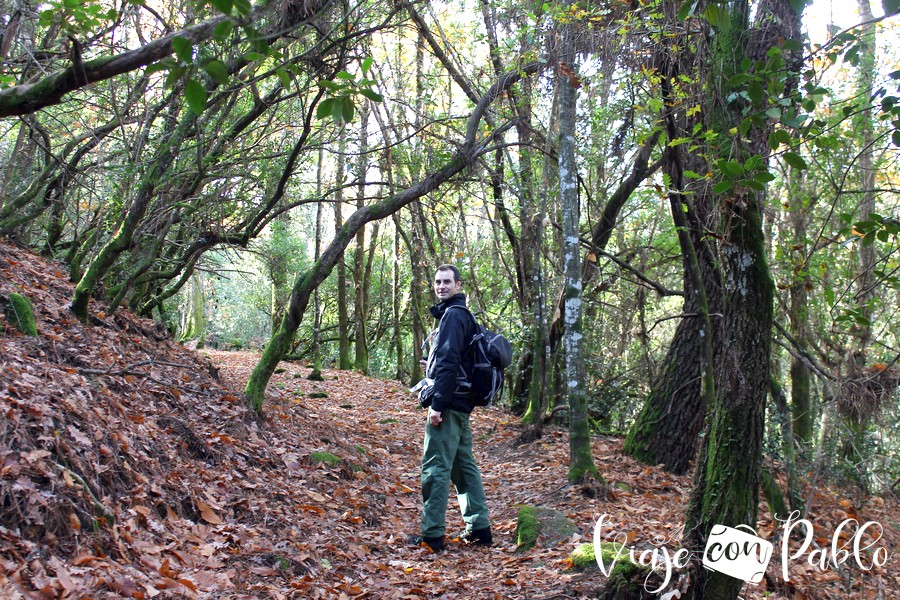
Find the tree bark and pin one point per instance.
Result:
(581, 459)
(360, 300)
(727, 477)
(802, 416)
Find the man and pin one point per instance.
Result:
(447, 454)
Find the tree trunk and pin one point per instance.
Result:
(195, 326)
(667, 429)
(798, 313)
(864, 298)
(360, 309)
(134, 214)
(344, 362)
(581, 459)
(727, 478)
(316, 373)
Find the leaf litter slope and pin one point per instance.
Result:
(130, 468)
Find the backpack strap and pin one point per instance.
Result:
(470, 343)
(465, 308)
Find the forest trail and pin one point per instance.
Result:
(130, 468)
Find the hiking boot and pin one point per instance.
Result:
(435, 543)
(480, 537)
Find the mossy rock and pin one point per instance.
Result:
(527, 528)
(318, 395)
(326, 458)
(584, 558)
(627, 580)
(548, 524)
(19, 312)
(388, 421)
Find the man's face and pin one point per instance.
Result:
(445, 286)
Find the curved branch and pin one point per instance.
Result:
(30, 97)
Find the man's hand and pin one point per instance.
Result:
(434, 417)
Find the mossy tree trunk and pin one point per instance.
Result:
(798, 311)
(316, 373)
(360, 274)
(195, 323)
(122, 239)
(727, 478)
(666, 431)
(581, 459)
(344, 361)
(858, 422)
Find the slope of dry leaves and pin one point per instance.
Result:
(130, 468)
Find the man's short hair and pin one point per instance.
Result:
(456, 275)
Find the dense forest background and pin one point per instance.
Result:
(684, 214)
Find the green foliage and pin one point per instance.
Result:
(343, 91)
(77, 17)
(325, 458)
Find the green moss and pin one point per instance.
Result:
(325, 457)
(636, 441)
(583, 557)
(280, 370)
(388, 421)
(318, 395)
(527, 528)
(20, 314)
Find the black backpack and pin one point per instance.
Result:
(492, 353)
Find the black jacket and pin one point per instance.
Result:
(450, 361)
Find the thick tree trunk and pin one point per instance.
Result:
(727, 478)
(666, 430)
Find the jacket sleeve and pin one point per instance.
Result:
(451, 343)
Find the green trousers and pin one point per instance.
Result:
(447, 458)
